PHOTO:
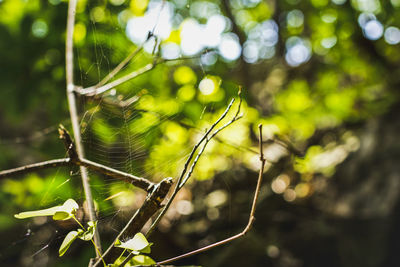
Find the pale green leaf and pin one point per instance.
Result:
(71, 236)
(142, 260)
(88, 235)
(64, 212)
(137, 243)
(147, 249)
(36, 213)
(61, 216)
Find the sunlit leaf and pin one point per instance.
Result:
(138, 260)
(61, 215)
(64, 212)
(137, 243)
(36, 213)
(87, 235)
(71, 236)
(142, 260)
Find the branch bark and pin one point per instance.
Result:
(150, 206)
(140, 182)
(74, 159)
(94, 90)
(69, 68)
(35, 167)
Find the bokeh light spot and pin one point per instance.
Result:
(392, 35)
(137, 28)
(339, 2)
(117, 2)
(289, 195)
(373, 30)
(229, 47)
(295, 18)
(170, 50)
(207, 86)
(298, 51)
(39, 28)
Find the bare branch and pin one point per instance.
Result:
(69, 45)
(69, 68)
(129, 178)
(120, 66)
(93, 91)
(140, 182)
(102, 87)
(150, 206)
(182, 178)
(137, 181)
(68, 143)
(251, 216)
(54, 163)
(234, 118)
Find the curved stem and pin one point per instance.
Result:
(251, 216)
(94, 244)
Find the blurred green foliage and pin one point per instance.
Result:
(308, 68)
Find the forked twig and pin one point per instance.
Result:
(119, 67)
(94, 90)
(137, 181)
(208, 138)
(251, 216)
(103, 86)
(74, 159)
(54, 163)
(185, 175)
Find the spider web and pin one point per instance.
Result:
(118, 131)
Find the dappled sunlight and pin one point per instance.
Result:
(138, 28)
(298, 51)
(392, 35)
(280, 184)
(149, 84)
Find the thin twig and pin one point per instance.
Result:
(54, 163)
(104, 87)
(139, 182)
(69, 68)
(74, 159)
(120, 66)
(251, 216)
(93, 91)
(182, 178)
(130, 178)
(234, 118)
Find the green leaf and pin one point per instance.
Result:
(138, 260)
(64, 212)
(61, 215)
(36, 213)
(137, 243)
(71, 236)
(67, 210)
(89, 233)
(142, 260)
(147, 249)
